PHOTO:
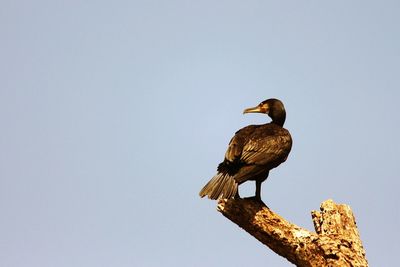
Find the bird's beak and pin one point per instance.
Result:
(257, 109)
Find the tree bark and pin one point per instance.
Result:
(336, 241)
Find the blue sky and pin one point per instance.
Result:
(114, 115)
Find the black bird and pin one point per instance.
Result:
(252, 153)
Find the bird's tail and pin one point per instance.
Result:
(220, 186)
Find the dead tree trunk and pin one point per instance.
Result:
(336, 241)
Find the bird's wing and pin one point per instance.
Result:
(266, 150)
(237, 143)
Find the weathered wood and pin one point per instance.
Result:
(335, 243)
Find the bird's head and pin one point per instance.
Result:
(273, 108)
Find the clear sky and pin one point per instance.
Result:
(114, 114)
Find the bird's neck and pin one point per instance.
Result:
(279, 120)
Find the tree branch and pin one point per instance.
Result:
(335, 243)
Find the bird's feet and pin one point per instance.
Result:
(256, 198)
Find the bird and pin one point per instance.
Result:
(252, 152)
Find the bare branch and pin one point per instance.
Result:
(335, 243)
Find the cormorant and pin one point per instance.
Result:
(252, 152)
